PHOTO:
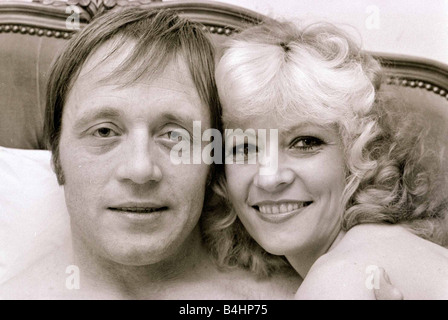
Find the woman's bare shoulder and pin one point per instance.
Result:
(334, 277)
(388, 240)
(417, 267)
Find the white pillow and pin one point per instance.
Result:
(33, 214)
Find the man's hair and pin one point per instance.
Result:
(318, 73)
(159, 36)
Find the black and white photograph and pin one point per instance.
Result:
(223, 156)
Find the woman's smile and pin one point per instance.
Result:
(278, 212)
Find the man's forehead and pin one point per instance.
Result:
(170, 89)
(107, 56)
(103, 67)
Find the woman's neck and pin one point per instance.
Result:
(303, 260)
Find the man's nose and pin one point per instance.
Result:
(276, 181)
(140, 163)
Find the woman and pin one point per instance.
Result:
(354, 187)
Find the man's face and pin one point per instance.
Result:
(127, 201)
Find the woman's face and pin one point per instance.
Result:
(295, 209)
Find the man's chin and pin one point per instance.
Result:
(125, 249)
(137, 255)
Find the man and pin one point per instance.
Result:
(118, 98)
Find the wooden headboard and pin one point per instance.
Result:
(32, 34)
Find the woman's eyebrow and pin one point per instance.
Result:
(97, 113)
(305, 126)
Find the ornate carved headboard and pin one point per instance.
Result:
(31, 35)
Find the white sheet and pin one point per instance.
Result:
(33, 215)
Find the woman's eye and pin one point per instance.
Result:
(244, 149)
(104, 132)
(306, 143)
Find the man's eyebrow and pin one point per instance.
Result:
(98, 113)
(182, 118)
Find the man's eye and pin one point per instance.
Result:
(177, 135)
(306, 143)
(104, 132)
(174, 136)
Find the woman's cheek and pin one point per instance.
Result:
(237, 180)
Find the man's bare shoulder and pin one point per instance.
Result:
(50, 279)
(243, 284)
(46, 279)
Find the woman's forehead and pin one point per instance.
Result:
(275, 121)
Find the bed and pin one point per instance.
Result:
(32, 208)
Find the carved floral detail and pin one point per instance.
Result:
(94, 7)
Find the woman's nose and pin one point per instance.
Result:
(275, 181)
(140, 163)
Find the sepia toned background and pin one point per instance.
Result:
(412, 27)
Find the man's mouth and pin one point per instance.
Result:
(281, 208)
(138, 210)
